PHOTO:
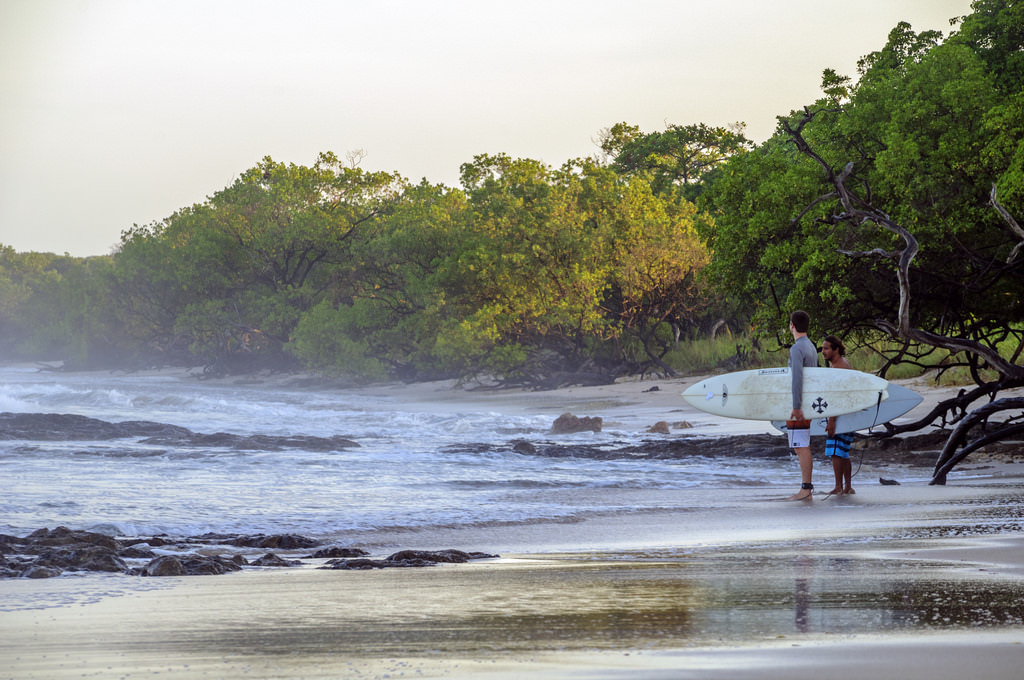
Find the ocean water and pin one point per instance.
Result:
(418, 465)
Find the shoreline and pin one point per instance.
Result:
(804, 589)
(910, 581)
(600, 617)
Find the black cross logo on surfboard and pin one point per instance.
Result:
(820, 405)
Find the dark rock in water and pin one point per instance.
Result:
(253, 442)
(751, 446)
(524, 447)
(273, 541)
(153, 541)
(64, 426)
(65, 536)
(218, 539)
(189, 565)
(270, 559)
(136, 552)
(167, 565)
(452, 556)
(685, 446)
(408, 558)
(277, 541)
(888, 482)
(660, 427)
(96, 558)
(8, 540)
(47, 553)
(204, 564)
(84, 558)
(68, 427)
(40, 571)
(357, 563)
(653, 389)
(338, 552)
(908, 450)
(567, 423)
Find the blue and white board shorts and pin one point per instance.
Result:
(839, 445)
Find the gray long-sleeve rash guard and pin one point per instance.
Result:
(801, 354)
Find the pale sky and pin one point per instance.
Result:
(120, 112)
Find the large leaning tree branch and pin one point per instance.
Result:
(950, 456)
(857, 210)
(1009, 219)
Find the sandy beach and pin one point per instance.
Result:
(908, 581)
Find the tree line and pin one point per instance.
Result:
(889, 208)
(523, 273)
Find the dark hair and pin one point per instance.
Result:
(801, 320)
(837, 344)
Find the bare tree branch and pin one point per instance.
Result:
(857, 211)
(949, 456)
(1008, 218)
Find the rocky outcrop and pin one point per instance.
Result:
(567, 423)
(408, 558)
(920, 451)
(275, 542)
(66, 427)
(272, 560)
(338, 552)
(48, 553)
(164, 566)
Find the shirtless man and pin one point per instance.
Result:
(802, 354)
(838, 445)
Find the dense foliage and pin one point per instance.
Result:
(929, 129)
(890, 208)
(526, 273)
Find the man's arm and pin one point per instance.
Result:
(796, 370)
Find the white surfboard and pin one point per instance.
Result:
(900, 401)
(765, 393)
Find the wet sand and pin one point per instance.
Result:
(906, 582)
(882, 583)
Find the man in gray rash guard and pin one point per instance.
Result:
(802, 353)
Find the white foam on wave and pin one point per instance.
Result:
(437, 466)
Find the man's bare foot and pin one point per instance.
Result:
(801, 495)
(849, 489)
(836, 492)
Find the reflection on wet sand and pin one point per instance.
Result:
(564, 603)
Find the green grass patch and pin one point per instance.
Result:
(726, 352)
(730, 352)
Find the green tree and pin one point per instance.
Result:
(679, 158)
(230, 279)
(653, 254)
(874, 208)
(57, 307)
(159, 270)
(535, 264)
(401, 293)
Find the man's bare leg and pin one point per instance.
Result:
(803, 454)
(837, 468)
